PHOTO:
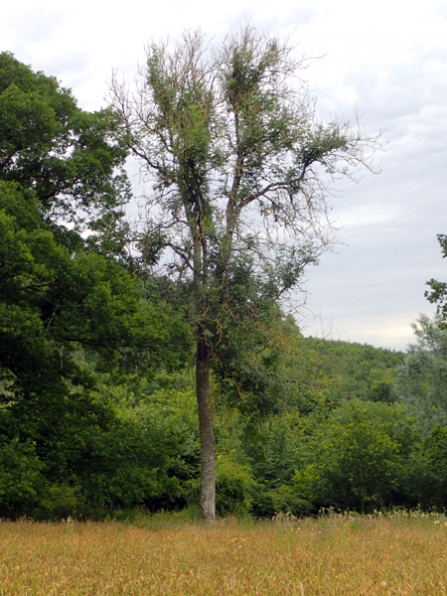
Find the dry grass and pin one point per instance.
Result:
(330, 556)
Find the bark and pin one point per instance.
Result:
(207, 444)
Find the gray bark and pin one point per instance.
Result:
(207, 443)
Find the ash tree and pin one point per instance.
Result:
(240, 166)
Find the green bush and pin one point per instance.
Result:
(426, 474)
(60, 502)
(356, 458)
(21, 481)
(283, 499)
(234, 485)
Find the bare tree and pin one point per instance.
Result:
(240, 167)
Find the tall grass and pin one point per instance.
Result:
(332, 555)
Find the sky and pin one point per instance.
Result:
(382, 60)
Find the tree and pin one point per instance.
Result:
(240, 165)
(71, 159)
(54, 301)
(438, 293)
(61, 165)
(355, 457)
(421, 381)
(63, 293)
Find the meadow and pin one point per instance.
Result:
(154, 556)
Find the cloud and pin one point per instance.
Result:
(37, 24)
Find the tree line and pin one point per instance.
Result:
(156, 366)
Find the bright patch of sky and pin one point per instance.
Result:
(384, 60)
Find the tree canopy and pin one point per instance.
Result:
(72, 159)
(58, 180)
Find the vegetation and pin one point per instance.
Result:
(333, 555)
(240, 164)
(438, 293)
(99, 351)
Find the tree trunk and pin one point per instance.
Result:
(207, 445)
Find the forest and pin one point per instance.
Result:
(144, 365)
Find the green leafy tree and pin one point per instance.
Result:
(64, 295)
(356, 457)
(54, 306)
(53, 301)
(58, 290)
(239, 164)
(438, 293)
(421, 382)
(72, 159)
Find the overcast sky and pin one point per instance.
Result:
(385, 59)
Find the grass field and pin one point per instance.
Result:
(332, 555)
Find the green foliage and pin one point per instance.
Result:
(342, 370)
(60, 502)
(71, 159)
(438, 293)
(98, 411)
(421, 382)
(275, 446)
(247, 354)
(57, 291)
(356, 458)
(358, 461)
(128, 467)
(52, 301)
(21, 480)
(431, 477)
(235, 485)
(93, 453)
(160, 416)
(265, 366)
(69, 309)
